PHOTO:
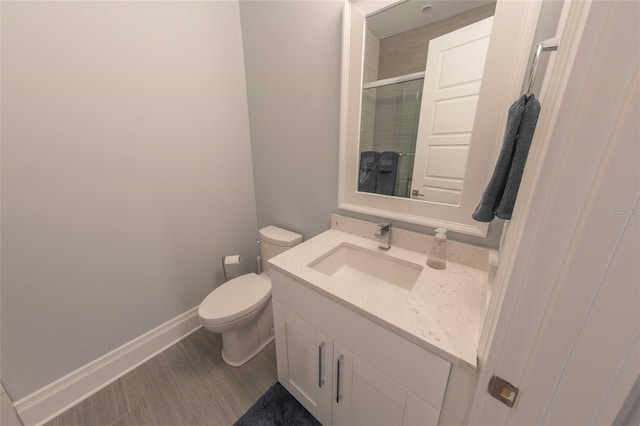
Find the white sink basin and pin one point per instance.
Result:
(374, 272)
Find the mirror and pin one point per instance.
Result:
(426, 87)
(415, 48)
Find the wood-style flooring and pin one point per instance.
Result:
(187, 384)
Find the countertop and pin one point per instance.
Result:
(442, 313)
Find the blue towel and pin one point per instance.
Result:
(523, 143)
(387, 171)
(368, 175)
(493, 194)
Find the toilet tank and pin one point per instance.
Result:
(273, 241)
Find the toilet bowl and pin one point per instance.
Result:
(240, 309)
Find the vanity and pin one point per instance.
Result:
(372, 337)
(366, 336)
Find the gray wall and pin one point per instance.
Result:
(292, 55)
(126, 173)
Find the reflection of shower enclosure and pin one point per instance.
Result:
(390, 114)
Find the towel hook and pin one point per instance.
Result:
(543, 46)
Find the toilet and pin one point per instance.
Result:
(240, 309)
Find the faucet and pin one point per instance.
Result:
(383, 235)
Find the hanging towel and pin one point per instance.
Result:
(485, 212)
(523, 142)
(387, 170)
(368, 176)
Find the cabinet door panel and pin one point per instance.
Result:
(304, 362)
(376, 399)
(420, 412)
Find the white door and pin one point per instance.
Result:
(304, 357)
(568, 331)
(453, 75)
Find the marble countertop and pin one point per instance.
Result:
(442, 313)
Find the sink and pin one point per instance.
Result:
(368, 270)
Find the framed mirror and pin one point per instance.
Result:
(426, 86)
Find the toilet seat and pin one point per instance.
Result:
(234, 299)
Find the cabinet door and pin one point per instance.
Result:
(304, 362)
(362, 394)
(376, 399)
(419, 412)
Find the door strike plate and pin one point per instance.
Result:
(503, 391)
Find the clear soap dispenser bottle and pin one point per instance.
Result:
(437, 257)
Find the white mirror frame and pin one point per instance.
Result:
(513, 31)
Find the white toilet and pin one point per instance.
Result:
(241, 308)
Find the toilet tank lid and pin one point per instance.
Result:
(279, 237)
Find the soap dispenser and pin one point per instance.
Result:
(437, 257)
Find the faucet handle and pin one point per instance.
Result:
(384, 226)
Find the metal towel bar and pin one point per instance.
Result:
(544, 46)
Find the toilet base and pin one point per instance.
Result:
(234, 362)
(240, 345)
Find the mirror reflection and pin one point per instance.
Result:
(423, 65)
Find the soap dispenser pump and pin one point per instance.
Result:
(437, 257)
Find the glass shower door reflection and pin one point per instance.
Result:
(388, 132)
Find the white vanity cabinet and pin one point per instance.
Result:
(348, 370)
(305, 359)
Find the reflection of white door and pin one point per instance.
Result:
(453, 74)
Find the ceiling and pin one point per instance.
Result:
(408, 15)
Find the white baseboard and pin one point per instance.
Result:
(53, 399)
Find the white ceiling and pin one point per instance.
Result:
(408, 15)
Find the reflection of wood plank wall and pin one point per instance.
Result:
(406, 52)
(370, 73)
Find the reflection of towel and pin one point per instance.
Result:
(368, 171)
(387, 170)
(499, 196)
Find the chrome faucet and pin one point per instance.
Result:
(383, 235)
